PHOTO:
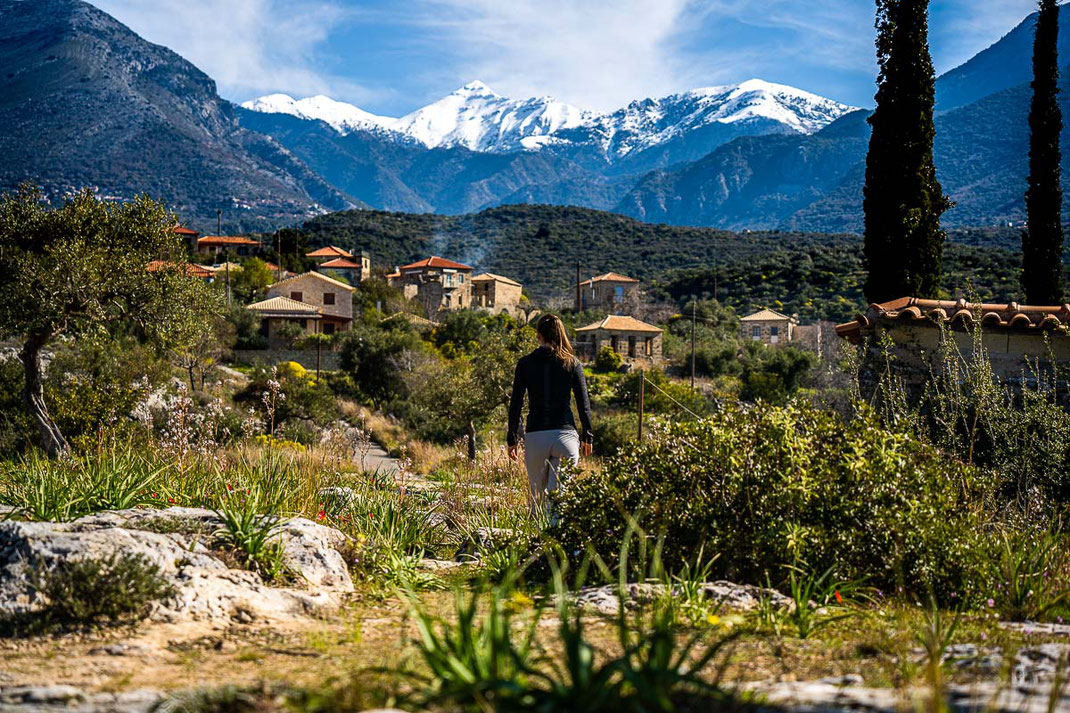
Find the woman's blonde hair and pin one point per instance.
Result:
(552, 331)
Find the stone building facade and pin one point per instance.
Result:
(637, 342)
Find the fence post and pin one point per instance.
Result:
(642, 394)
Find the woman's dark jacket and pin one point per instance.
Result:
(549, 385)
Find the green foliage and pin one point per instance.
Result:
(250, 283)
(1042, 240)
(821, 589)
(607, 361)
(83, 592)
(378, 358)
(903, 199)
(250, 520)
(1033, 575)
(775, 374)
(662, 395)
(459, 331)
(80, 269)
(1018, 430)
(47, 490)
(246, 327)
(304, 399)
(94, 385)
(612, 430)
(766, 485)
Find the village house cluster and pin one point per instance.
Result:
(320, 301)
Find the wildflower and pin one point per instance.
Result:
(171, 500)
(321, 515)
(839, 599)
(984, 636)
(521, 599)
(991, 603)
(713, 619)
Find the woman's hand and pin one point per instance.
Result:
(512, 454)
(586, 449)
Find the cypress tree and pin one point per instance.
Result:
(1042, 241)
(903, 199)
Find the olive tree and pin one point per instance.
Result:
(80, 271)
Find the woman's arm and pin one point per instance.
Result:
(516, 405)
(583, 405)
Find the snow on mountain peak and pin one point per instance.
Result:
(341, 116)
(477, 118)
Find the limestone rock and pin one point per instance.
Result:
(176, 541)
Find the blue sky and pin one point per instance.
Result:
(391, 57)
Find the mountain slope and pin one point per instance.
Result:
(1004, 65)
(84, 101)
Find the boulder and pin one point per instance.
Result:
(177, 541)
(742, 597)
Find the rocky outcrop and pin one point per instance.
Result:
(742, 597)
(178, 541)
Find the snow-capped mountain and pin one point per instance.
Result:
(477, 118)
(343, 117)
(650, 122)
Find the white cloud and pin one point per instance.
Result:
(249, 47)
(591, 52)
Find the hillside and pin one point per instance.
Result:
(816, 275)
(86, 101)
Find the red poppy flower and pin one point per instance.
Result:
(839, 599)
(321, 515)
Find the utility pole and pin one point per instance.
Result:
(642, 400)
(694, 304)
(579, 301)
(226, 258)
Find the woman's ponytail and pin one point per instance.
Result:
(552, 330)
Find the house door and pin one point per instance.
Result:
(631, 347)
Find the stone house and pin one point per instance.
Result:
(440, 285)
(333, 260)
(635, 341)
(1012, 335)
(314, 302)
(611, 292)
(232, 245)
(495, 293)
(769, 327)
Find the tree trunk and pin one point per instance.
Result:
(33, 396)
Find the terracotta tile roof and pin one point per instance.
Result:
(329, 251)
(764, 315)
(616, 322)
(284, 307)
(1011, 316)
(182, 230)
(192, 270)
(225, 240)
(341, 263)
(609, 277)
(318, 276)
(490, 276)
(435, 261)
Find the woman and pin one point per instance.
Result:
(549, 376)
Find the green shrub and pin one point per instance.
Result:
(607, 360)
(119, 587)
(767, 486)
(612, 430)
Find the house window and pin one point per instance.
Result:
(328, 298)
(650, 346)
(328, 328)
(614, 343)
(774, 334)
(297, 296)
(755, 332)
(618, 294)
(631, 347)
